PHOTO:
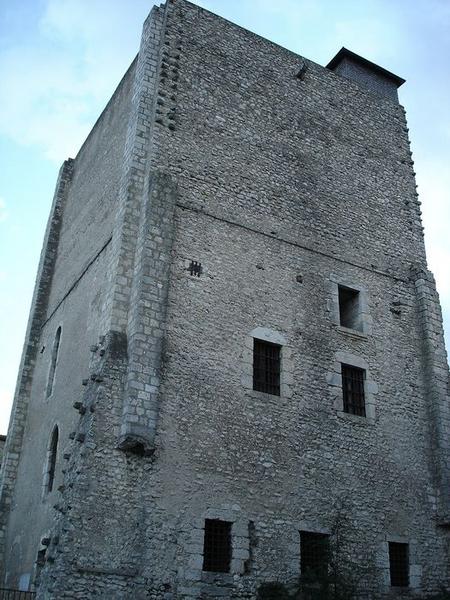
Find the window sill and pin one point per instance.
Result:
(400, 588)
(355, 419)
(216, 577)
(352, 332)
(307, 584)
(263, 395)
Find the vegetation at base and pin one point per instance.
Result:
(343, 577)
(274, 590)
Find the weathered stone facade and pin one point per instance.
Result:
(2, 445)
(285, 180)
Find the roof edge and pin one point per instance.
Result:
(346, 53)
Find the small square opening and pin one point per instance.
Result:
(350, 308)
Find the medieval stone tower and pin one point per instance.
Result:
(235, 351)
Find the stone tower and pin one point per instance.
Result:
(235, 349)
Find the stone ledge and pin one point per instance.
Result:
(352, 332)
(121, 572)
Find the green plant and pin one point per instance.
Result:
(342, 578)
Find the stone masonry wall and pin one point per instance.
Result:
(2, 445)
(71, 292)
(373, 81)
(88, 219)
(38, 310)
(78, 315)
(280, 180)
(436, 374)
(281, 187)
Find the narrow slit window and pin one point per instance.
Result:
(266, 367)
(314, 555)
(399, 564)
(51, 459)
(353, 394)
(349, 308)
(217, 546)
(51, 373)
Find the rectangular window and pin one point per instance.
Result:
(353, 390)
(266, 367)
(349, 308)
(217, 546)
(399, 564)
(314, 554)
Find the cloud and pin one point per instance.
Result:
(288, 9)
(433, 180)
(6, 400)
(373, 38)
(45, 107)
(3, 211)
(57, 79)
(63, 60)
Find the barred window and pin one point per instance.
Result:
(314, 554)
(399, 564)
(217, 546)
(353, 390)
(266, 367)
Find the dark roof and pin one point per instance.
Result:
(345, 53)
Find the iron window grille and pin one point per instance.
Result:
(399, 564)
(314, 555)
(217, 546)
(266, 367)
(353, 390)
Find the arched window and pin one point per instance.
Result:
(51, 460)
(51, 373)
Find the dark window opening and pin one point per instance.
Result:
(349, 308)
(217, 546)
(266, 367)
(40, 559)
(353, 390)
(51, 373)
(314, 554)
(51, 461)
(399, 564)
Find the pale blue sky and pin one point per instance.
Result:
(60, 61)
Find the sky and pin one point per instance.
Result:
(60, 61)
